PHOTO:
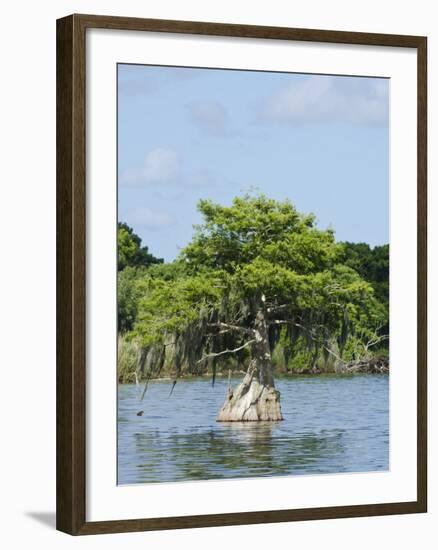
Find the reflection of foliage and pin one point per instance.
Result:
(256, 261)
(234, 451)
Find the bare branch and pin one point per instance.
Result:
(375, 341)
(226, 351)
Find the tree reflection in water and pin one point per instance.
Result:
(236, 450)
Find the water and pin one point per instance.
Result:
(332, 424)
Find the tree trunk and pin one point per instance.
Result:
(255, 398)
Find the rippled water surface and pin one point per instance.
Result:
(332, 424)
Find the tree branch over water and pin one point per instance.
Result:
(246, 344)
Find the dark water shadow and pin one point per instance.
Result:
(45, 518)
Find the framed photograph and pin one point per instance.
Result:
(241, 274)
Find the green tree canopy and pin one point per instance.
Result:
(130, 251)
(257, 257)
(372, 264)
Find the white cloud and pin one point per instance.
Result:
(316, 99)
(161, 166)
(209, 116)
(150, 219)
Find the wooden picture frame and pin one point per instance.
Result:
(71, 273)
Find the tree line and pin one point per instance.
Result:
(260, 289)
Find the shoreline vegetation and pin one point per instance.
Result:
(378, 365)
(259, 290)
(128, 352)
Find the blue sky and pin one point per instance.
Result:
(185, 134)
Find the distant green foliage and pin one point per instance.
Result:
(133, 259)
(129, 292)
(371, 263)
(130, 251)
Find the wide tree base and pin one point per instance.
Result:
(251, 401)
